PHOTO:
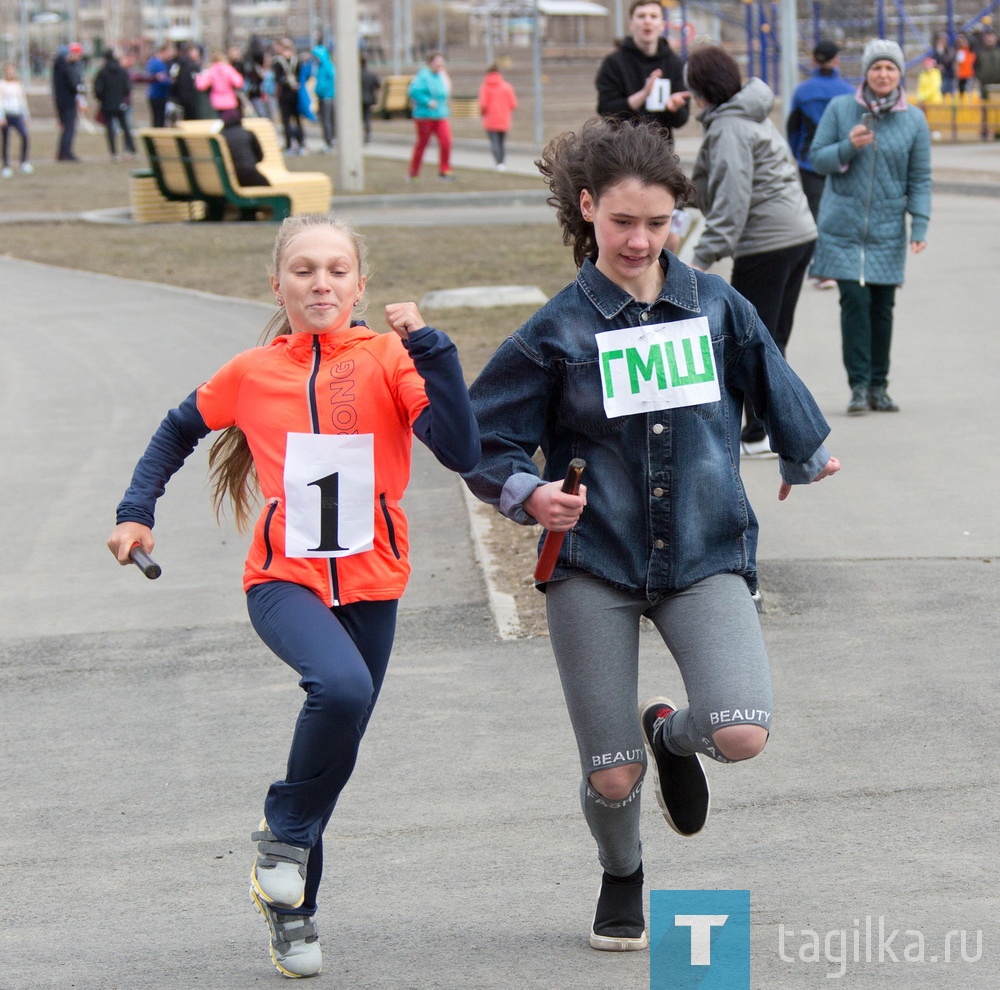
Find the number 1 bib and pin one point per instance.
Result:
(329, 494)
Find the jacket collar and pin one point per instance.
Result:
(680, 287)
(299, 345)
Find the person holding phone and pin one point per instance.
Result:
(875, 147)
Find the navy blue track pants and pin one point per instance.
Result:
(340, 655)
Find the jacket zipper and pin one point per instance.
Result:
(868, 209)
(317, 349)
(388, 524)
(269, 555)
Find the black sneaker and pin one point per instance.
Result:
(680, 781)
(879, 401)
(619, 924)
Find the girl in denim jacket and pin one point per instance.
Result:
(641, 367)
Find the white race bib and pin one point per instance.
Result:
(658, 96)
(657, 367)
(329, 494)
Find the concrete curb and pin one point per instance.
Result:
(502, 606)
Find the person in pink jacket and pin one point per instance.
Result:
(223, 83)
(497, 103)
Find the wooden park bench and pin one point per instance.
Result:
(394, 101)
(192, 164)
(465, 107)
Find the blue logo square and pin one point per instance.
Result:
(699, 940)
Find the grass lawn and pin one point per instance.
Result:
(231, 258)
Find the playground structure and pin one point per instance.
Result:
(751, 28)
(751, 31)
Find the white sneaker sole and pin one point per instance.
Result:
(607, 944)
(616, 943)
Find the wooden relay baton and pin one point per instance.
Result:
(554, 541)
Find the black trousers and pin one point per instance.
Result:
(812, 186)
(67, 132)
(158, 110)
(114, 121)
(772, 280)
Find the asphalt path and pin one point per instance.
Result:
(141, 722)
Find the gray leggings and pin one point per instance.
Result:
(714, 634)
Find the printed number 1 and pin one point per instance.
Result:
(329, 501)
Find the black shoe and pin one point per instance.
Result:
(619, 924)
(859, 401)
(879, 401)
(680, 781)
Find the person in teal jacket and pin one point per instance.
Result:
(876, 149)
(325, 90)
(430, 92)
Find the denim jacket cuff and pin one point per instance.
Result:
(803, 474)
(515, 490)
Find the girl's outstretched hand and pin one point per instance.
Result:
(125, 536)
(404, 318)
(832, 467)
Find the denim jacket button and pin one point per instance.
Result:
(644, 316)
(659, 544)
(657, 427)
(658, 492)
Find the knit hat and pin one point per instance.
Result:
(881, 48)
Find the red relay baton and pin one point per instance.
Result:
(554, 541)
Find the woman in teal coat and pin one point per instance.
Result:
(430, 93)
(876, 149)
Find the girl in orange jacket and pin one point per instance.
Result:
(318, 423)
(497, 103)
(965, 63)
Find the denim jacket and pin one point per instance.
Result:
(665, 504)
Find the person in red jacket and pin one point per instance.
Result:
(318, 423)
(497, 103)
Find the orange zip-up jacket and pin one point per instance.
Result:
(354, 382)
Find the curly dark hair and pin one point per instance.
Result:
(604, 152)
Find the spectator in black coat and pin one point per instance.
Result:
(244, 149)
(185, 94)
(112, 89)
(246, 153)
(68, 96)
(628, 81)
